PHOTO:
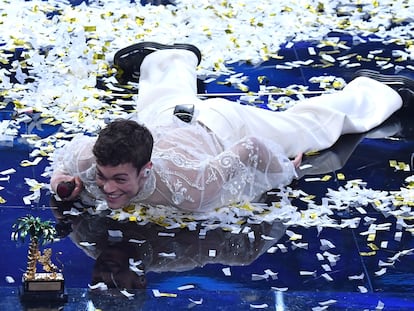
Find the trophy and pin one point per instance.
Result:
(46, 286)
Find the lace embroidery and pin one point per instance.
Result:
(148, 188)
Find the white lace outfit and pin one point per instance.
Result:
(228, 153)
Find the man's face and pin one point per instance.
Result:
(118, 183)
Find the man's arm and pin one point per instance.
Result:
(70, 162)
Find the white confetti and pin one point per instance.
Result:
(134, 266)
(167, 255)
(320, 257)
(280, 289)
(362, 289)
(261, 306)
(267, 238)
(87, 244)
(309, 179)
(73, 211)
(212, 253)
(166, 234)
(8, 171)
(127, 294)
(398, 236)
(259, 277)
(196, 302)
(327, 277)
(311, 51)
(326, 244)
(226, 271)
(301, 245)
(115, 233)
(328, 58)
(10, 279)
(272, 249)
(357, 277)
(328, 302)
(136, 241)
(186, 287)
(282, 248)
(272, 274)
(305, 166)
(99, 286)
(381, 272)
(251, 236)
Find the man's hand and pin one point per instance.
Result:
(71, 189)
(297, 160)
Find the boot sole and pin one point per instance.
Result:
(391, 80)
(152, 47)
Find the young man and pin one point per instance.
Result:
(201, 154)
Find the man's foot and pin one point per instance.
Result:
(128, 60)
(403, 85)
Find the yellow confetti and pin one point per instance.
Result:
(246, 206)
(48, 121)
(393, 163)
(313, 215)
(89, 28)
(326, 178)
(139, 20)
(129, 209)
(365, 254)
(340, 176)
(36, 187)
(377, 203)
(168, 295)
(295, 237)
(373, 246)
(311, 153)
(2, 200)
(26, 163)
(371, 237)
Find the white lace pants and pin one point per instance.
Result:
(168, 78)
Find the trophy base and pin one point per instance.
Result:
(48, 287)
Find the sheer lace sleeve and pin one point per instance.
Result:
(198, 181)
(76, 157)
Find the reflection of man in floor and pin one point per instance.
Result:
(122, 261)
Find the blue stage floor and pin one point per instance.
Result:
(365, 265)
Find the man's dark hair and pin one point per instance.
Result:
(124, 141)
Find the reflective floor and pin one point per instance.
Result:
(349, 247)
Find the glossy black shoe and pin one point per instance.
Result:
(128, 60)
(403, 85)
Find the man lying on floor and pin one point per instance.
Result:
(196, 154)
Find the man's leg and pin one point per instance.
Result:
(312, 124)
(168, 78)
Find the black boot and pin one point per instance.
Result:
(403, 85)
(128, 60)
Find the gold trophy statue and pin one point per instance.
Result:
(49, 284)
